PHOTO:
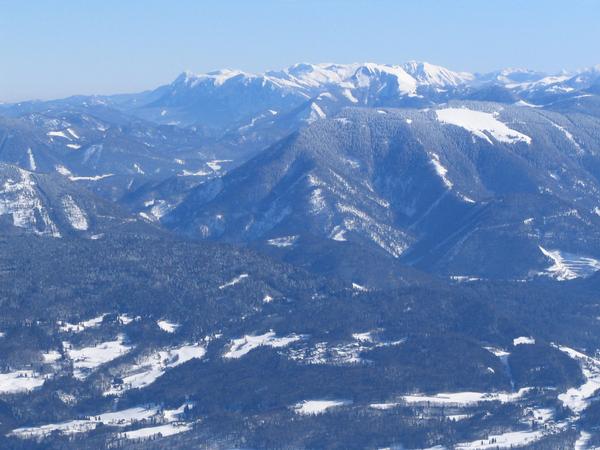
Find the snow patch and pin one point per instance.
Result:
(242, 346)
(20, 381)
(314, 407)
(465, 398)
(87, 359)
(440, 170)
(75, 215)
(169, 429)
(479, 123)
(523, 340)
(578, 398)
(285, 241)
(148, 368)
(166, 326)
(568, 266)
(234, 281)
(80, 326)
(32, 164)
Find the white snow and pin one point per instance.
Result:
(75, 215)
(384, 406)
(568, 266)
(432, 75)
(215, 165)
(234, 281)
(338, 234)
(523, 340)
(72, 133)
(370, 73)
(20, 381)
(313, 407)
(339, 353)
(465, 398)
(148, 368)
(244, 345)
(91, 178)
(163, 430)
(582, 441)
(440, 170)
(63, 171)
(19, 198)
(363, 337)
(316, 113)
(121, 418)
(87, 359)
(78, 327)
(51, 357)
(569, 136)
(479, 123)
(577, 399)
(58, 134)
(198, 173)
(505, 440)
(125, 319)
(167, 326)
(74, 146)
(285, 241)
(358, 287)
(32, 164)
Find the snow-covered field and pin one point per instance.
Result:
(577, 399)
(466, 398)
(87, 359)
(149, 368)
(505, 440)
(163, 430)
(242, 346)
(81, 326)
(310, 407)
(20, 381)
(120, 419)
(479, 123)
(167, 326)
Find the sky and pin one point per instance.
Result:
(56, 48)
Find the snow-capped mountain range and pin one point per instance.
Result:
(323, 256)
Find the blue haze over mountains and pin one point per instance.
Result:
(323, 256)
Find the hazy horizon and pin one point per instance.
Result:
(115, 47)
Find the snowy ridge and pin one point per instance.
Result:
(19, 198)
(75, 215)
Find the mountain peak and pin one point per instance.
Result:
(217, 77)
(430, 74)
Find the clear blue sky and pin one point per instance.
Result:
(55, 48)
